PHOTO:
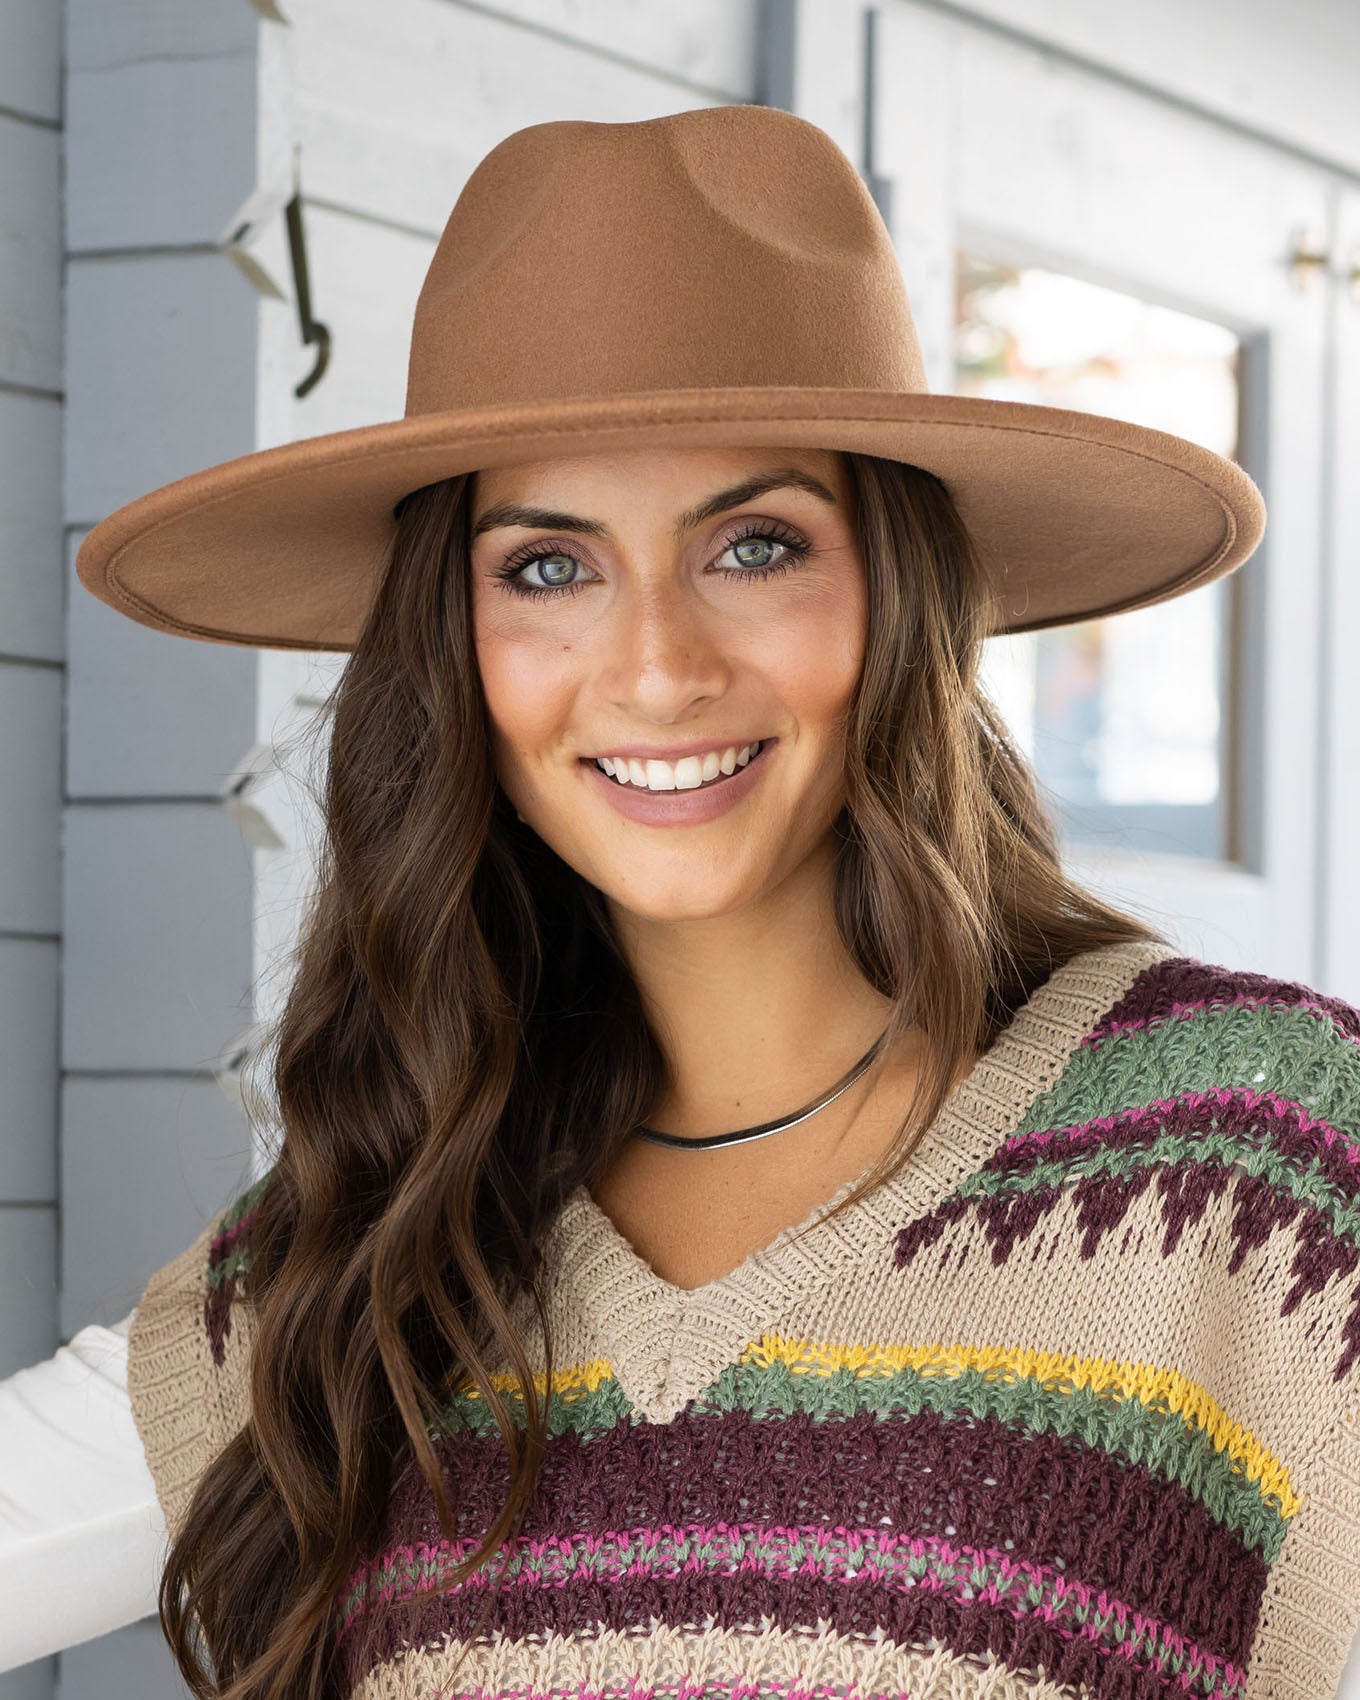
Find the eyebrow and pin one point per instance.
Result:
(760, 484)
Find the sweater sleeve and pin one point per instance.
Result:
(81, 1535)
(188, 1362)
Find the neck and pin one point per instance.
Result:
(759, 1010)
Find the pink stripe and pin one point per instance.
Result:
(1222, 1096)
(883, 1542)
(227, 1238)
(741, 1688)
(1179, 1011)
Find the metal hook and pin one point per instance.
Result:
(312, 329)
(1307, 257)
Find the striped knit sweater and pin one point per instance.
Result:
(1066, 1408)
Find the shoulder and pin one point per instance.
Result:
(1227, 1102)
(188, 1355)
(1196, 1040)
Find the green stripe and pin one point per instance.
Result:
(237, 1260)
(1018, 1590)
(1303, 1058)
(1136, 1433)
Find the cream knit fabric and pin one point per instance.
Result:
(1065, 1408)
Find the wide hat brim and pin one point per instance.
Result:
(1077, 515)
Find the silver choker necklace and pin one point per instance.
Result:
(743, 1133)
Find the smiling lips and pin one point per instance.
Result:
(689, 773)
(681, 804)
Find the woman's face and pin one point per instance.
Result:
(671, 605)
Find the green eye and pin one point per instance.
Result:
(751, 546)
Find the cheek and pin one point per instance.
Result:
(814, 658)
(529, 689)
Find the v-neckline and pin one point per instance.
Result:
(666, 1343)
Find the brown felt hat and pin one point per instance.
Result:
(716, 277)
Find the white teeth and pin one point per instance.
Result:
(683, 775)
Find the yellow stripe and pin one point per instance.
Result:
(1157, 1388)
(574, 1379)
(1152, 1385)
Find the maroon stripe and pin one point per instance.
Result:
(224, 1242)
(975, 1629)
(1242, 1111)
(1043, 1498)
(1153, 995)
(1186, 1190)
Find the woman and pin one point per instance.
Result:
(742, 1215)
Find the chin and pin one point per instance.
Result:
(681, 899)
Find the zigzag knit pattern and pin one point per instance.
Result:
(1067, 1408)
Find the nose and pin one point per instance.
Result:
(666, 650)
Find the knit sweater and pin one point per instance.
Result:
(1067, 1407)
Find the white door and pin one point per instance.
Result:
(1069, 240)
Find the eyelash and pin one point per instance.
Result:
(796, 552)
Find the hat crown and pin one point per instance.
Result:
(723, 247)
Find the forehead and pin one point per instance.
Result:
(667, 477)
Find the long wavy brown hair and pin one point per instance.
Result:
(463, 1043)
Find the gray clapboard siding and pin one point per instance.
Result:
(30, 631)
(28, 1068)
(104, 34)
(30, 784)
(161, 374)
(30, 255)
(132, 1665)
(122, 741)
(28, 1284)
(157, 1152)
(157, 900)
(30, 67)
(30, 526)
(131, 190)
(32, 1682)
